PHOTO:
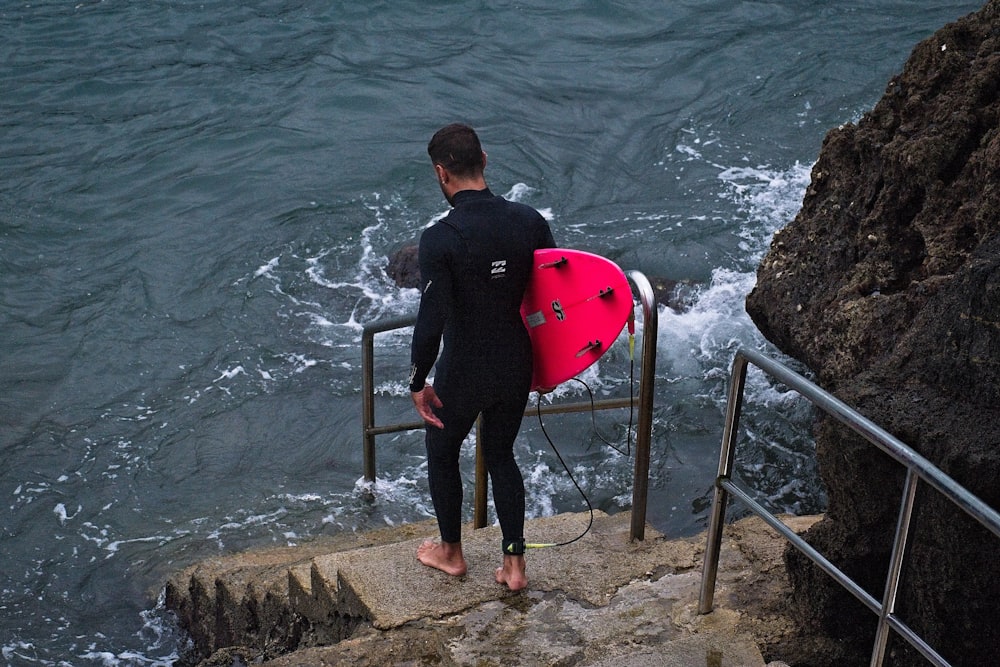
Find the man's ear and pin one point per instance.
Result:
(442, 174)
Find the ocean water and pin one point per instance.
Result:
(197, 204)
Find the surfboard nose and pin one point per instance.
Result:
(569, 311)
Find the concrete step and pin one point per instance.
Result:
(387, 586)
(601, 600)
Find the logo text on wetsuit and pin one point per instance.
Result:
(498, 268)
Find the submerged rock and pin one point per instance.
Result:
(403, 267)
(887, 286)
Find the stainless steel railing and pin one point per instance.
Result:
(644, 425)
(918, 469)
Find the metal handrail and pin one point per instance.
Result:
(917, 469)
(644, 426)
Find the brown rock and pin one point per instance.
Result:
(887, 285)
(403, 267)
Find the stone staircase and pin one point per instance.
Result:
(364, 599)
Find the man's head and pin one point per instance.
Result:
(456, 147)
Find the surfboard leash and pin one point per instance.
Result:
(593, 410)
(590, 507)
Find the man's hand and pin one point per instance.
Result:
(425, 400)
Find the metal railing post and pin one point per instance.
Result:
(368, 428)
(720, 497)
(644, 427)
(368, 403)
(895, 568)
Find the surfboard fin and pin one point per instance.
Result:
(601, 294)
(554, 265)
(591, 345)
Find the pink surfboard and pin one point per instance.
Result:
(574, 308)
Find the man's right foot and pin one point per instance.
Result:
(444, 556)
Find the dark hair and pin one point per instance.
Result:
(456, 147)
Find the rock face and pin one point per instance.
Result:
(887, 286)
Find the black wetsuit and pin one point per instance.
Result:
(474, 267)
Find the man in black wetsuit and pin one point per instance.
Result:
(474, 267)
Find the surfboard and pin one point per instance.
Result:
(575, 306)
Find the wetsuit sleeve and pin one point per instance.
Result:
(547, 240)
(435, 304)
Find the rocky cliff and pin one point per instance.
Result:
(887, 286)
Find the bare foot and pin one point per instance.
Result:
(513, 573)
(444, 556)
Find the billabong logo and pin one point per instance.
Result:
(498, 268)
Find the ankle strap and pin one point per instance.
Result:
(513, 547)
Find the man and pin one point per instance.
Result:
(474, 267)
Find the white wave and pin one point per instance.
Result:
(268, 268)
(691, 152)
(231, 373)
(400, 499)
(520, 191)
(114, 546)
(299, 362)
(16, 649)
(705, 336)
(770, 197)
(541, 487)
(131, 658)
(316, 273)
(62, 515)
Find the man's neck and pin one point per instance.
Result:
(454, 185)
